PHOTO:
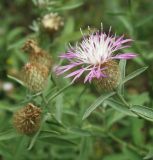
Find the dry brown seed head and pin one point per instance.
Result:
(37, 55)
(27, 120)
(35, 76)
(31, 46)
(41, 57)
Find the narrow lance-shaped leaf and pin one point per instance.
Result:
(7, 135)
(122, 66)
(144, 112)
(59, 92)
(149, 154)
(120, 107)
(59, 107)
(16, 79)
(57, 140)
(134, 74)
(99, 101)
(69, 6)
(34, 138)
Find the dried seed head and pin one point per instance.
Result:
(111, 80)
(37, 55)
(27, 120)
(35, 76)
(52, 22)
(30, 46)
(43, 58)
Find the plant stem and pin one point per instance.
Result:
(33, 140)
(126, 104)
(123, 100)
(44, 100)
(129, 145)
(57, 93)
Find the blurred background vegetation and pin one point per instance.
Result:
(107, 134)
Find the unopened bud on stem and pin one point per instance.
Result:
(112, 78)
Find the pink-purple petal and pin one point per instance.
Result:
(125, 56)
(78, 75)
(78, 56)
(89, 76)
(77, 72)
(68, 55)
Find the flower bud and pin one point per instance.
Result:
(111, 81)
(35, 76)
(52, 22)
(27, 119)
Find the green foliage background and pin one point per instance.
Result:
(111, 132)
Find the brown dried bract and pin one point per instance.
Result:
(35, 76)
(37, 55)
(27, 120)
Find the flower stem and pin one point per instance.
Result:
(57, 93)
(123, 100)
(129, 145)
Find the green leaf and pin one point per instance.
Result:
(59, 107)
(134, 74)
(143, 111)
(70, 6)
(136, 131)
(139, 99)
(120, 107)
(14, 33)
(5, 152)
(69, 26)
(57, 93)
(114, 117)
(149, 154)
(127, 24)
(6, 106)
(130, 154)
(99, 101)
(145, 20)
(80, 132)
(16, 79)
(34, 138)
(21, 145)
(85, 148)
(115, 156)
(116, 13)
(56, 140)
(7, 135)
(46, 133)
(122, 66)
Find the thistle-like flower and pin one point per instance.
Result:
(95, 58)
(27, 119)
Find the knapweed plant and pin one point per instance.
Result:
(73, 98)
(98, 59)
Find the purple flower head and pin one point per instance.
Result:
(89, 56)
